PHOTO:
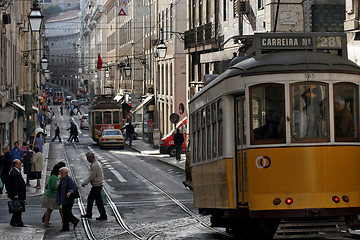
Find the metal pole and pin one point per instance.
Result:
(277, 15)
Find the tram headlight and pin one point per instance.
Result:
(289, 201)
(336, 199)
(277, 201)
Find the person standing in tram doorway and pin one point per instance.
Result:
(178, 141)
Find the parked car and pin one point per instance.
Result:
(68, 98)
(83, 101)
(111, 138)
(84, 123)
(75, 103)
(167, 143)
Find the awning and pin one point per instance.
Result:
(117, 98)
(141, 105)
(217, 56)
(6, 115)
(22, 108)
(18, 106)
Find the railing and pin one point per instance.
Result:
(200, 36)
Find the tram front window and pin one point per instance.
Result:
(107, 117)
(346, 112)
(309, 112)
(98, 117)
(267, 102)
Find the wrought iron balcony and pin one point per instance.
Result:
(200, 36)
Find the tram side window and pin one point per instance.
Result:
(208, 132)
(116, 117)
(214, 130)
(267, 114)
(309, 112)
(193, 129)
(198, 137)
(346, 112)
(98, 117)
(221, 129)
(107, 117)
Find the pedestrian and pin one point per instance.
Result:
(65, 189)
(344, 124)
(178, 141)
(188, 180)
(24, 147)
(71, 130)
(75, 133)
(49, 201)
(16, 191)
(129, 133)
(39, 142)
(5, 166)
(96, 179)
(57, 133)
(16, 152)
(61, 109)
(37, 165)
(78, 110)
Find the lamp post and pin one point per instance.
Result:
(107, 73)
(35, 17)
(44, 63)
(127, 69)
(161, 49)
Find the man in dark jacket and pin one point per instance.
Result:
(178, 141)
(5, 166)
(129, 132)
(16, 190)
(57, 133)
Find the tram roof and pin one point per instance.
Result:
(286, 62)
(104, 106)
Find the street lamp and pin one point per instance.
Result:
(44, 63)
(161, 49)
(35, 17)
(47, 73)
(107, 73)
(127, 69)
(96, 74)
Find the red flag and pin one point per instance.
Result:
(100, 62)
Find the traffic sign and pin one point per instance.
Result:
(150, 125)
(129, 115)
(174, 118)
(123, 11)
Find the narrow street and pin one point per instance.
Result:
(147, 193)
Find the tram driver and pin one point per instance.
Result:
(344, 125)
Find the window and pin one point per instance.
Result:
(267, 114)
(214, 130)
(98, 117)
(107, 117)
(221, 129)
(171, 20)
(309, 112)
(260, 4)
(198, 136)
(116, 117)
(208, 133)
(193, 129)
(346, 112)
(200, 12)
(225, 10)
(203, 133)
(194, 13)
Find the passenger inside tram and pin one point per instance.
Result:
(344, 126)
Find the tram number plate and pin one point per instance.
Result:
(328, 42)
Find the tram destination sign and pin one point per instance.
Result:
(297, 41)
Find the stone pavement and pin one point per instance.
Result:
(147, 149)
(29, 232)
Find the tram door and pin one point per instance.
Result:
(241, 160)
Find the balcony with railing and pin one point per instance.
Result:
(200, 36)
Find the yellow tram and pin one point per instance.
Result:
(276, 136)
(104, 114)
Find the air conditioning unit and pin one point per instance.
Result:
(242, 7)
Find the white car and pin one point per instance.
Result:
(111, 138)
(83, 101)
(84, 122)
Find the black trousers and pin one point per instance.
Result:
(16, 219)
(95, 195)
(56, 136)
(68, 216)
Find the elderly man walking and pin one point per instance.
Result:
(96, 179)
(16, 191)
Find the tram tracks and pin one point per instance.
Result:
(126, 229)
(172, 198)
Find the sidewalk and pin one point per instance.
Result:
(147, 149)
